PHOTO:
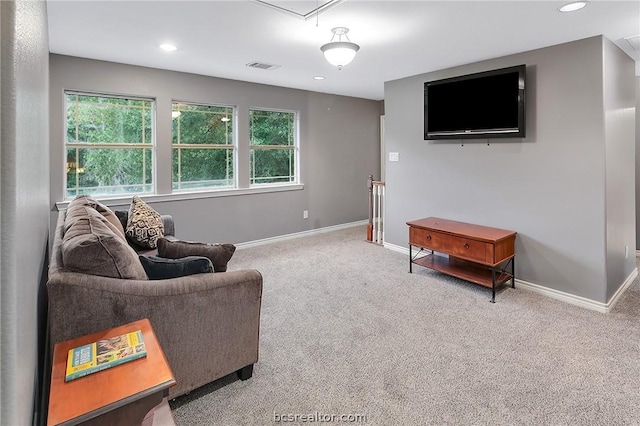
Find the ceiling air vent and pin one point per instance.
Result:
(262, 66)
(634, 42)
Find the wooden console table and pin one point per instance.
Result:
(478, 254)
(123, 394)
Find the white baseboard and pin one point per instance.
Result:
(578, 300)
(625, 285)
(557, 294)
(301, 234)
(399, 249)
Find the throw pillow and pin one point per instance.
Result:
(219, 254)
(158, 268)
(123, 217)
(113, 221)
(90, 246)
(144, 225)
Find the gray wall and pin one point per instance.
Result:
(638, 162)
(24, 201)
(549, 186)
(339, 148)
(619, 120)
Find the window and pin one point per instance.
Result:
(273, 146)
(109, 145)
(111, 142)
(203, 146)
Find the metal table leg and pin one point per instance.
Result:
(513, 272)
(493, 285)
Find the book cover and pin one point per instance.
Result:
(103, 354)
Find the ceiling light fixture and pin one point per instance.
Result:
(572, 7)
(339, 53)
(168, 47)
(318, 77)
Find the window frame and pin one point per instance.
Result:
(151, 145)
(295, 147)
(161, 148)
(234, 148)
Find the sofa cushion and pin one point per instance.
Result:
(160, 268)
(91, 246)
(106, 212)
(219, 254)
(144, 224)
(111, 217)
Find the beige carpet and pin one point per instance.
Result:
(346, 330)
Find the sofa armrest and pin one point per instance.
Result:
(169, 227)
(207, 324)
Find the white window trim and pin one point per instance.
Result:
(194, 195)
(119, 96)
(296, 145)
(234, 135)
(204, 193)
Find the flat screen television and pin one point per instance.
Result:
(485, 105)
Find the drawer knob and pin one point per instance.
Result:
(466, 245)
(428, 237)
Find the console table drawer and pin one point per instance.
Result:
(450, 244)
(468, 249)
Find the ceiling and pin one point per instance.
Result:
(397, 38)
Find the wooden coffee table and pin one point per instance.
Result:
(123, 394)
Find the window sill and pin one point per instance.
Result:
(191, 195)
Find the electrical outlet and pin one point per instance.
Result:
(305, 214)
(394, 156)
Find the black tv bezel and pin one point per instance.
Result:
(520, 132)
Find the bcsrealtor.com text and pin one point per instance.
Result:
(318, 417)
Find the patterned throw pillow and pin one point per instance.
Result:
(144, 224)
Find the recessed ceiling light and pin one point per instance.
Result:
(572, 7)
(168, 47)
(318, 77)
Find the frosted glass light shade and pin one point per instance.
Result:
(572, 7)
(340, 53)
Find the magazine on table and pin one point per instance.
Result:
(103, 354)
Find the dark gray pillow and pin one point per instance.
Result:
(160, 268)
(123, 217)
(219, 254)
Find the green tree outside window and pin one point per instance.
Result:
(203, 146)
(109, 144)
(272, 146)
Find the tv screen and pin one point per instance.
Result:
(485, 105)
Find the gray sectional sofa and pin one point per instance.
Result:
(207, 324)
